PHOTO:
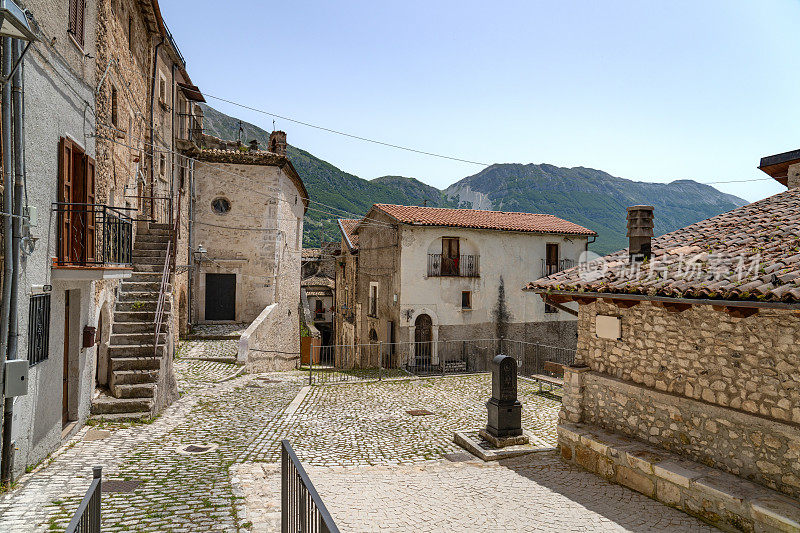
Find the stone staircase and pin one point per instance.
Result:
(136, 366)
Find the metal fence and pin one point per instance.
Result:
(87, 517)
(302, 510)
(379, 361)
(93, 234)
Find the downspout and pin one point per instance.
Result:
(13, 333)
(153, 125)
(8, 267)
(191, 261)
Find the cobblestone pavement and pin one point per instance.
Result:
(209, 350)
(337, 429)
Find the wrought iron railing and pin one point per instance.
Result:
(93, 234)
(169, 267)
(302, 509)
(87, 517)
(189, 127)
(157, 209)
(551, 268)
(465, 266)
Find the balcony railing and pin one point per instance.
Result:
(465, 266)
(189, 127)
(551, 268)
(93, 234)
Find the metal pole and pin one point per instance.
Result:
(311, 361)
(380, 361)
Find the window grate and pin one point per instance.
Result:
(38, 329)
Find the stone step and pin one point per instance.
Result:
(135, 350)
(145, 286)
(134, 363)
(149, 237)
(149, 268)
(145, 337)
(138, 296)
(131, 377)
(108, 405)
(159, 225)
(122, 417)
(147, 261)
(122, 328)
(135, 316)
(149, 252)
(135, 390)
(150, 245)
(140, 305)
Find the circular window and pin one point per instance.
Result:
(221, 206)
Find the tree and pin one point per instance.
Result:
(502, 316)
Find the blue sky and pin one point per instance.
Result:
(651, 91)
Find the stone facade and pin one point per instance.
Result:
(719, 390)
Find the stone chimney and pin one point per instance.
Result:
(277, 142)
(254, 145)
(640, 231)
(793, 176)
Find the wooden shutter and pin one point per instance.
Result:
(64, 196)
(91, 210)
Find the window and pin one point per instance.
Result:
(77, 12)
(319, 311)
(373, 300)
(38, 328)
(130, 33)
(466, 300)
(450, 256)
(162, 165)
(162, 88)
(76, 230)
(551, 259)
(221, 205)
(114, 107)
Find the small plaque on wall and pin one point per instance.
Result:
(608, 327)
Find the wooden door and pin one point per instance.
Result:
(92, 213)
(450, 256)
(65, 375)
(220, 296)
(423, 339)
(552, 258)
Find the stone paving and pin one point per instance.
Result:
(360, 428)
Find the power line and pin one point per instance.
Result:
(345, 134)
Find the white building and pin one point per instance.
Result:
(429, 275)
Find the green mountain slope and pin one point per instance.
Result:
(589, 197)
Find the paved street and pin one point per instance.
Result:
(370, 458)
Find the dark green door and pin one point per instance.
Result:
(220, 296)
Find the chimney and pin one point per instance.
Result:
(254, 145)
(277, 142)
(640, 231)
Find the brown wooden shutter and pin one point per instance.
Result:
(91, 211)
(64, 196)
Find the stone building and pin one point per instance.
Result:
(687, 380)
(248, 213)
(318, 281)
(93, 247)
(344, 319)
(426, 277)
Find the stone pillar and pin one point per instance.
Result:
(793, 176)
(572, 401)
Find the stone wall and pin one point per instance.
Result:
(751, 364)
(720, 390)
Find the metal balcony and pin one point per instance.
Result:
(464, 266)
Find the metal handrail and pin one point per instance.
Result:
(161, 214)
(302, 509)
(169, 266)
(87, 517)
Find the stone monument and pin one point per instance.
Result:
(504, 427)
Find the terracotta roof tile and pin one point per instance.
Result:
(749, 253)
(479, 219)
(347, 225)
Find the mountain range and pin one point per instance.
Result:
(589, 197)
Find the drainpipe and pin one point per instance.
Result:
(8, 266)
(13, 333)
(191, 261)
(153, 125)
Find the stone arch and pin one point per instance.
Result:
(102, 373)
(431, 356)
